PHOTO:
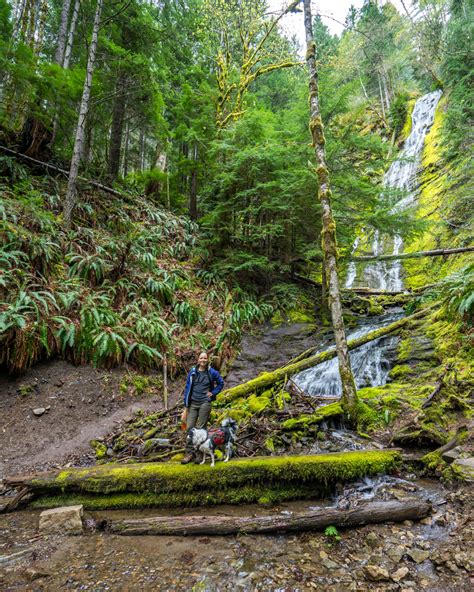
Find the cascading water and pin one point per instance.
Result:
(402, 177)
(370, 363)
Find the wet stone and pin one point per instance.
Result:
(400, 574)
(39, 411)
(418, 555)
(374, 573)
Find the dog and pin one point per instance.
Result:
(207, 441)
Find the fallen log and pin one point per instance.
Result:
(416, 255)
(307, 360)
(371, 513)
(241, 480)
(56, 169)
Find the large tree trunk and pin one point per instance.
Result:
(193, 211)
(62, 33)
(349, 393)
(116, 131)
(71, 194)
(371, 513)
(308, 359)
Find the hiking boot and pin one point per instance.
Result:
(187, 458)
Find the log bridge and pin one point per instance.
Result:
(260, 479)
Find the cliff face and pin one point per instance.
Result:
(443, 205)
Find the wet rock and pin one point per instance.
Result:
(329, 564)
(39, 411)
(374, 573)
(32, 574)
(65, 520)
(400, 574)
(418, 555)
(396, 553)
(372, 540)
(451, 455)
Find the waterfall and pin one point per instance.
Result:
(402, 176)
(371, 362)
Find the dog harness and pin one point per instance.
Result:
(217, 436)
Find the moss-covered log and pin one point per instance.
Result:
(308, 360)
(372, 513)
(199, 485)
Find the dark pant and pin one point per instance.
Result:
(198, 416)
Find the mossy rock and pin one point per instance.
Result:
(322, 414)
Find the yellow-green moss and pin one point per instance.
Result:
(163, 478)
(99, 448)
(242, 495)
(321, 414)
(400, 371)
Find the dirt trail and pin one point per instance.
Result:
(84, 403)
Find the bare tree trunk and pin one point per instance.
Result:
(193, 212)
(381, 98)
(62, 33)
(349, 394)
(72, 32)
(116, 131)
(126, 149)
(71, 194)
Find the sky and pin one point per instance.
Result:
(292, 24)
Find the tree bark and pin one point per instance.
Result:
(193, 211)
(349, 393)
(71, 193)
(371, 513)
(72, 32)
(116, 131)
(62, 33)
(308, 359)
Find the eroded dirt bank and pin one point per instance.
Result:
(80, 403)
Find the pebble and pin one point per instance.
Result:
(39, 411)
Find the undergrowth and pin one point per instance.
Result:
(120, 287)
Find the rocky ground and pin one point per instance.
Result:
(434, 555)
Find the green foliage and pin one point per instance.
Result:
(457, 292)
(332, 534)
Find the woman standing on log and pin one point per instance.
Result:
(202, 387)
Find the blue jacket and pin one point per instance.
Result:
(217, 384)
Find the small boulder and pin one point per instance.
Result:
(39, 411)
(400, 574)
(374, 573)
(372, 540)
(65, 520)
(329, 564)
(451, 455)
(418, 555)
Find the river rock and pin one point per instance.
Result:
(39, 411)
(400, 574)
(66, 520)
(372, 540)
(396, 553)
(465, 468)
(374, 573)
(418, 555)
(329, 564)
